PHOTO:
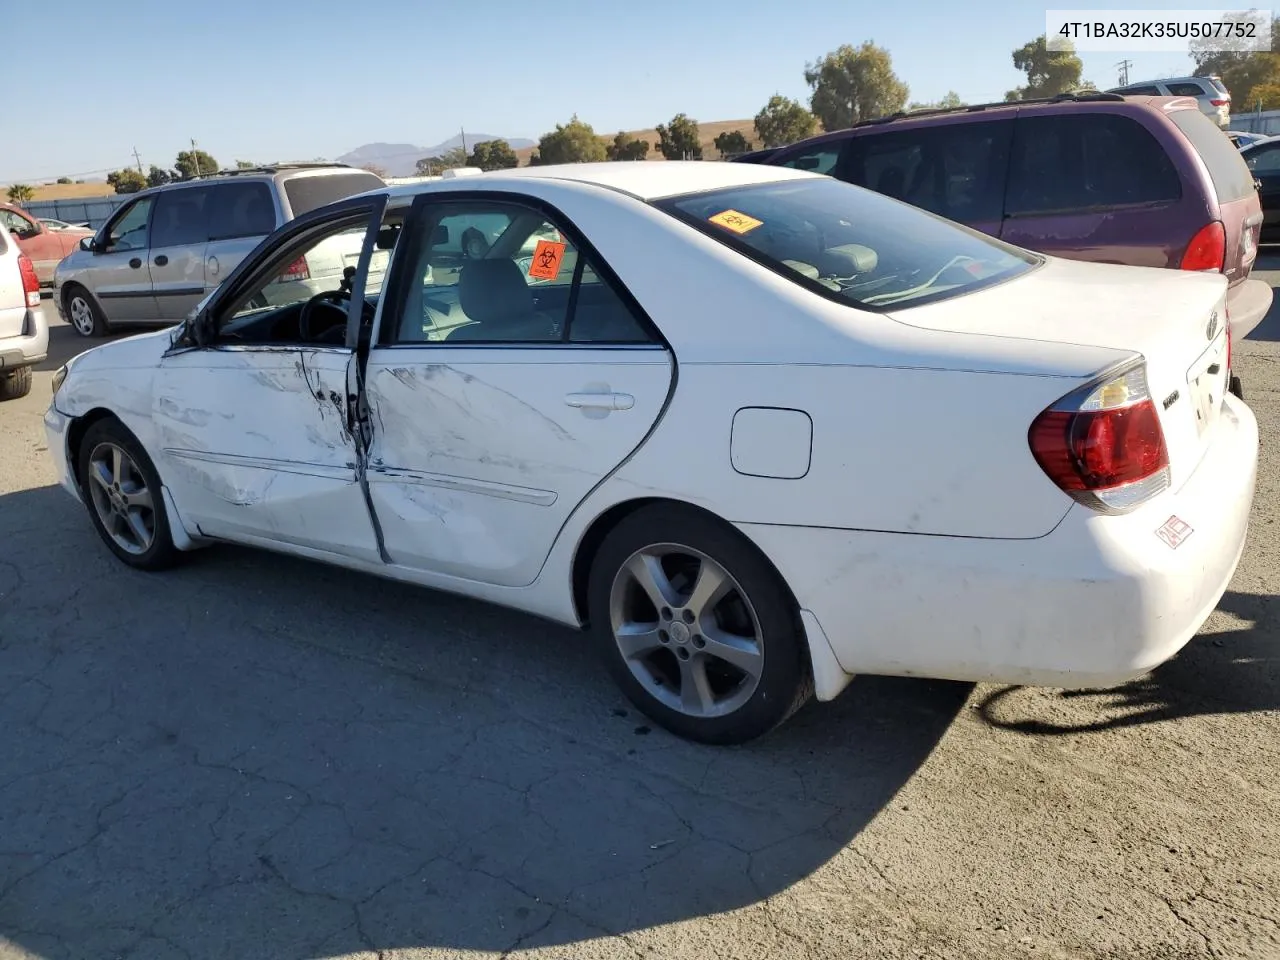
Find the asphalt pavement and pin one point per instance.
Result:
(258, 757)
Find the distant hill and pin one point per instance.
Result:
(401, 159)
(707, 133)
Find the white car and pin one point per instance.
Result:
(759, 429)
(24, 332)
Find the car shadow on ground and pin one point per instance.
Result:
(65, 343)
(1224, 673)
(256, 757)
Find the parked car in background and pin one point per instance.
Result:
(711, 475)
(1263, 161)
(1145, 181)
(24, 333)
(44, 245)
(63, 225)
(1209, 92)
(164, 250)
(1242, 138)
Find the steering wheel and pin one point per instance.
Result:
(334, 302)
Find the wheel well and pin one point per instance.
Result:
(75, 436)
(594, 536)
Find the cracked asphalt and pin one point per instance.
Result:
(258, 757)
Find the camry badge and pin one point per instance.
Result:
(1211, 330)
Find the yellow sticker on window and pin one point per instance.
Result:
(735, 221)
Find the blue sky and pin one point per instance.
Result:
(287, 80)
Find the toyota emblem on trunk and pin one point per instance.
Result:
(1212, 329)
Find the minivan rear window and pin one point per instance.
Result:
(1231, 177)
(849, 244)
(307, 193)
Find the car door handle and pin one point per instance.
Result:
(161, 260)
(600, 401)
(136, 263)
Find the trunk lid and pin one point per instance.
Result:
(1176, 320)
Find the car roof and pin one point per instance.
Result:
(644, 179)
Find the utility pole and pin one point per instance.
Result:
(195, 157)
(1124, 66)
(137, 158)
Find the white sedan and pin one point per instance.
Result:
(757, 429)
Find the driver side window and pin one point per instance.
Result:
(304, 296)
(16, 223)
(129, 232)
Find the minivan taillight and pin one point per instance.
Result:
(1103, 445)
(298, 270)
(30, 282)
(1207, 249)
(1219, 103)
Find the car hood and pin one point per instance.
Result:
(128, 353)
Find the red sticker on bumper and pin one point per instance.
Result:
(1173, 531)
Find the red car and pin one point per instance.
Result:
(44, 247)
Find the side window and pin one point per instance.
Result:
(15, 223)
(129, 230)
(241, 210)
(182, 218)
(1185, 89)
(818, 158)
(502, 273)
(1090, 161)
(1146, 90)
(1264, 160)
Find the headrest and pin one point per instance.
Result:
(491, 291)
(849, 259)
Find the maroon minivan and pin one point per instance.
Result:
(1147, 181)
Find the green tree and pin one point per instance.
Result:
(127, 180)
(854, 83)
(679, 139)
(194, 163)
(1050, 70)
(158, 176)
(21, 193)
(783, 120)
(434, 166)
(245, 164)
(732, 141)
(574, 142)
(1241, 73)
(1265, 96)
(64, 180)
(948, 102)
(627, 147)
(493, 155)
(376, 170)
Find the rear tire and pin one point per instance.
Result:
(121, 490)
(696, 626)
(83, 312)
(15, 384)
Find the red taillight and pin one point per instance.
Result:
(1207, 249)
(1219, 103)
(30, 282)
(1104, 445)
(298, 270)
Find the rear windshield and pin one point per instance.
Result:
(850, 244)
(1231, 177)
(309, 192)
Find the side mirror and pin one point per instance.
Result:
(200, 327)
(88, 244)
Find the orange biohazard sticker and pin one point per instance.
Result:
(735, 221)
(547, 257)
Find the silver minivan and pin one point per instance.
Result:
(1210, 93)
(163, 251)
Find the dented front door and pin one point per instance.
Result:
(256, 446)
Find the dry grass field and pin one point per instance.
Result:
(72, 191)
(707, 134)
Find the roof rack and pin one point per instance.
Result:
(1081, 96)
(277, 167)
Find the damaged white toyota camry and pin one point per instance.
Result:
(757, 429)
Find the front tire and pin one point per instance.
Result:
(696, 627)
(15, 384)
(83, 312)
(122, 492)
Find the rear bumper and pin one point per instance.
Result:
(1247, 303)
(28, 347)
(1099, 601)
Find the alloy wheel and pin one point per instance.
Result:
(686, 630)
(121, 498)
(81, 316)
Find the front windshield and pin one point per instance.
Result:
(851, 244)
